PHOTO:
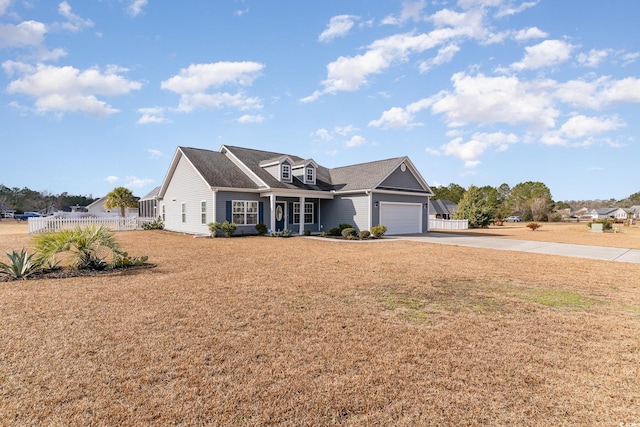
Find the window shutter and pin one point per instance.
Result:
(261, 212)
(290, 221)
(315, 213)
(229, 211)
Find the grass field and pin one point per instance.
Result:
(263, 331)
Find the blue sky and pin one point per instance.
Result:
(99, 93)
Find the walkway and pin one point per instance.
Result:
(548, 248)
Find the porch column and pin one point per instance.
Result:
(301, 215)
(272, 214)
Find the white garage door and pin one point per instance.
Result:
(401, 218)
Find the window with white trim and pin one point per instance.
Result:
(183, 210)
(245, 212)
(203, 212)
(310, 175)
(308, 213)
(164, 213)
(286, 172)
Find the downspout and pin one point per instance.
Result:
(213, 199)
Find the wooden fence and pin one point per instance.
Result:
(448, 224)
(114, 223)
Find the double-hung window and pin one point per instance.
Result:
(310, 175)
(286, 172)
(203, 212)
(308, 213)
(183, 210)
(245, 212)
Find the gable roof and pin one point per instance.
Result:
(442, 207)
(239, 167)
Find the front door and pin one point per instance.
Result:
(280, 210)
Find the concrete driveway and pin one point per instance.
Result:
(548, 248)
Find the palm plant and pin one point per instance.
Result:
(22, 265)
(120, 197)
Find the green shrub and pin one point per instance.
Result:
(124, 260)
(348, 232)
(20, 266)
(323, 234)
(283, 233)
(261, 228)
(228, 228)
(364, 234)
(92, 248)
(213, 228)
(307, 232)
(156, 224)
(335, 232)
(378, 230)
(344, 225)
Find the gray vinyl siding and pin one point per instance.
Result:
(377, 198)
(187, 187)
(401, 181)
(222, 197)
(349, 209)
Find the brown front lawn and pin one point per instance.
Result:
(266, 331)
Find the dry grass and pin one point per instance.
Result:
(263, 331)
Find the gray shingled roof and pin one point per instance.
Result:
(442, 207)
(217, 169)
(364, 176)
(151, 194)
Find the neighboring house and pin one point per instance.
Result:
(606, 213)
(148, 204)
(6, 211)
(97, 208)
(247, 186)
(636, 211)
(582, 212)
(442, 208)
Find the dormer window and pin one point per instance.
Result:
(310, 175)
(285, 173)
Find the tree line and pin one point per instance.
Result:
(24, 199)
(530, 200)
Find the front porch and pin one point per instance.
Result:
(295, 211)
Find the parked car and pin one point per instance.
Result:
(513, 218)
(25, 216)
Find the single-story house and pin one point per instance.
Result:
(607, 213)
(283, 191)
(97, 208)
(6, 211)
(636, 211)
(442, 208)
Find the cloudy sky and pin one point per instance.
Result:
(99, 93)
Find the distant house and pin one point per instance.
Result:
(148, 204)
(442, 208)
(636, 211)
(283, 191)
(97, 208)
(6, 211)
(609, 213)
(582, 212)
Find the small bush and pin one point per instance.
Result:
(228, 228)
(344, 225)
(283, 233)
(378, 230)
(346, 232)
(213, 228)
(20, 266)
(534, 225)
(364, 234)
(261, 228)
(307, 232)
(335, 232)
(156, 224)
(323, 234)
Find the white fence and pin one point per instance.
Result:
(114, 223)
(448, 224)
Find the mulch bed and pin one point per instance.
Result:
(65, 273)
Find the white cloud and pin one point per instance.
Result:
(135, 182)
(445, 55)
(136, 7)
(410, 11)
(546, 54)
(152, 115)
(194, 81)
(471, 151)
(248, 118)
(509, 9)
(27, 33)
(155, 154)
(599, 93)
(529, 33)
(593, 58)
(68, 89)
(580, 126)
(402, 118)
(355, 141)
(241, 12)
(112, 179)
(74, 22)
(4, 5)
(487, 100)
(345, 130)
(323, 134)
(339, 26)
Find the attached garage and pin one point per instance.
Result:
(401, 218)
